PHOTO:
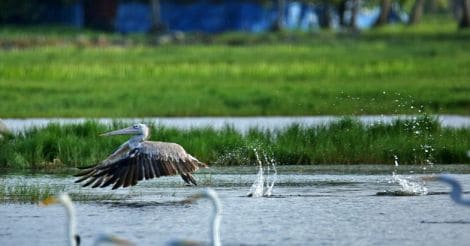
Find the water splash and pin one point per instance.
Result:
(257, 187)
(263, 186)
(407, 186)
(270, 186)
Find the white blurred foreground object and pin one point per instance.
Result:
(456, 193)
(72, 236)
(210, 194)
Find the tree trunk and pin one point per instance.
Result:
(416, 12)
(157, 25)
(100, 14)
(354, 11)
(455, 6)
(325, 15)
(465, 19)
(279, 25)
(341, 10)
(431, 6)
(385, 7)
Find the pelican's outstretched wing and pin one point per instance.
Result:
(151, 160)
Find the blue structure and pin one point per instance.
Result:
(202, 16)
(229, 15)
(206, 16)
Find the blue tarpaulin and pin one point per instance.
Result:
(204, 16)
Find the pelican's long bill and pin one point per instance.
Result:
(111, 239)
(49, 201)
(125, 131)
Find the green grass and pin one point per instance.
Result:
(387, 71)
(346, 141)
(34, 193)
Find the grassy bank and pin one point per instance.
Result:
(383, 72)
(346, 142)
(34, 193)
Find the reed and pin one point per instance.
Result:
(346, 141)
(33, 193)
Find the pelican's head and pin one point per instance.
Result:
(136, 129)
(209, 194)
(62, 198)
(65, 200)
(104, 238)
(206, 193)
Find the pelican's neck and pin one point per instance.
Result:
(456, 193)
(216, 217)
(136, 140)
(71, 225)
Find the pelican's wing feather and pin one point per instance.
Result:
(151, 160)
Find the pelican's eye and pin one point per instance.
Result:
(136, 126)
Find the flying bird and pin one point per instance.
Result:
(139, 159)
(456, 193)
(72, 235)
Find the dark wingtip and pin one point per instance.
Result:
(84, 171)
(189, 179)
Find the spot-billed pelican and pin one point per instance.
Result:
(72, 235)
(137, 159)
(216, 218)
(456, 193)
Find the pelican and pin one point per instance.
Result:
(72, 235)
(456, 193)
(137, 159)
(210, 194)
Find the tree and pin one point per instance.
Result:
(354, 11)
(385, 8)
(325, 18)
(157, 25)
(416, 12)
(279, 25)
(465, 19)
(341, 10)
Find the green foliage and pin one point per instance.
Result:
(33, 193)
(415, 141)
(373, 75)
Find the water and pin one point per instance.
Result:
(241, 124)
(326, 205)
(257, 188)
(408, 186)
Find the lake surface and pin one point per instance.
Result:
(240, 123)
(326, 205)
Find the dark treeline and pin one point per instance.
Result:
(100, 14)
